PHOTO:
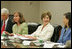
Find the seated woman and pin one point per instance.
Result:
(20, 27)
(66, 30)
(45, 31)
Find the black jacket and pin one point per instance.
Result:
(9, 26)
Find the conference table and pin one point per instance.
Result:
(18, 43)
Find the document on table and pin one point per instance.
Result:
(21, 37)
(26, 42)
(61, 46)
(50, 44)
(2, 37)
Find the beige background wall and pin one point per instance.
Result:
(29, 9)
(4, 4)
(32, 10)
(57, 8)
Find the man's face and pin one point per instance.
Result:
(4, 16)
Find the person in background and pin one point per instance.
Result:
(45, 31)
(66, 30)
(6, 23)
(20, 26)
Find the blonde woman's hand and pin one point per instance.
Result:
(11, 34)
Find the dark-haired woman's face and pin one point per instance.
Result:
(65, 20)
(16, 17)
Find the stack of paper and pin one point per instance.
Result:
(26, 42)
(21, 37)
(61, 46)
(50, 44)
(2, 37)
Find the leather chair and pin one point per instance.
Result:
(56, 34)
(32, 28)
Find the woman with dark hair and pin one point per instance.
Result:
(20, 27)
(66, 30)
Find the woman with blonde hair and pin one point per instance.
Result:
(45, 31)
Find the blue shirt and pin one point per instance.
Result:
(65, 35)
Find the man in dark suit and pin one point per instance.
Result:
(6, 22)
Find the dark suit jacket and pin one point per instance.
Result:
(9, 26)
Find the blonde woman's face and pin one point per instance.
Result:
(46, 19)
(16, 17)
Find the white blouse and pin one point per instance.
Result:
(45, 34)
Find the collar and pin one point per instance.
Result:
(6, 20)
(47, 24)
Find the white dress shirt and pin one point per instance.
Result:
(45, 34)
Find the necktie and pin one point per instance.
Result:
(3, 28)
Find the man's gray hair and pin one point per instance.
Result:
(4, 10)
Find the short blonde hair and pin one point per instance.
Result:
(4, 10)
(46, 13)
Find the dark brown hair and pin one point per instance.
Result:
(21, 18)
(46, 13)
(68, 16)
